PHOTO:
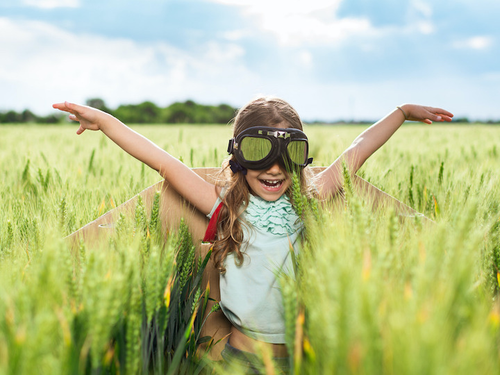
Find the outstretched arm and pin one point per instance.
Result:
(331, 179)
(187, 183)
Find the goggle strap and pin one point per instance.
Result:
(309, 161)
(230, 146)
(237, 167)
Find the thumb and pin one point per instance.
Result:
(80, 130)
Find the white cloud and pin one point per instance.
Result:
(422, 8)
(278, 6)
(218, 53)
(476, 42)
(420, 18)
(315, 22)
(425, 27)
(296, 29)
(305, 58)
(42, 64)
(298, 22)
(50, 4)
(235, 35)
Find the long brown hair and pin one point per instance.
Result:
(263, 111)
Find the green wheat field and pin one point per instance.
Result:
(375, 293)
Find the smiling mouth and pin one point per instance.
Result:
(273, 184)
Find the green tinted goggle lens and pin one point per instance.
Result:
(297, 151)
(255, 149)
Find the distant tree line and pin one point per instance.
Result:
(187, 112)
(26, 116)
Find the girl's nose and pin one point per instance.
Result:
(274, 169)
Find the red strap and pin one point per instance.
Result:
(212, 225)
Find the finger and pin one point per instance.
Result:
(80, 130)
(446, 117)
(73, 108)
(73, 118)
(60, 106)
(76, 109)
(442, 112)
(433, 117)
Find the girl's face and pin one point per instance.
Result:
(269, 184)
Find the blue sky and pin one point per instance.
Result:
(335, 59)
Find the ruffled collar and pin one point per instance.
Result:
(276, 217)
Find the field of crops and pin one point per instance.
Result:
(383, 293)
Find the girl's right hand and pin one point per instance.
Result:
(88, 117)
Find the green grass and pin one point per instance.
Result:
(382, 293)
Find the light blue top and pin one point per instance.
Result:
(250, 293)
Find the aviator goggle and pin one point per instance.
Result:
(259, 147)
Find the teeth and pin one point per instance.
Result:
(272, 182)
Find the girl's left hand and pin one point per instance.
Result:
(421, 113)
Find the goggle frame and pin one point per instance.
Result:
(280, 139)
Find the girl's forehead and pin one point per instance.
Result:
(282, 125)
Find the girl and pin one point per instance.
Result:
(256, 222)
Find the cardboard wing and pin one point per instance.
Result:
(174, 207)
